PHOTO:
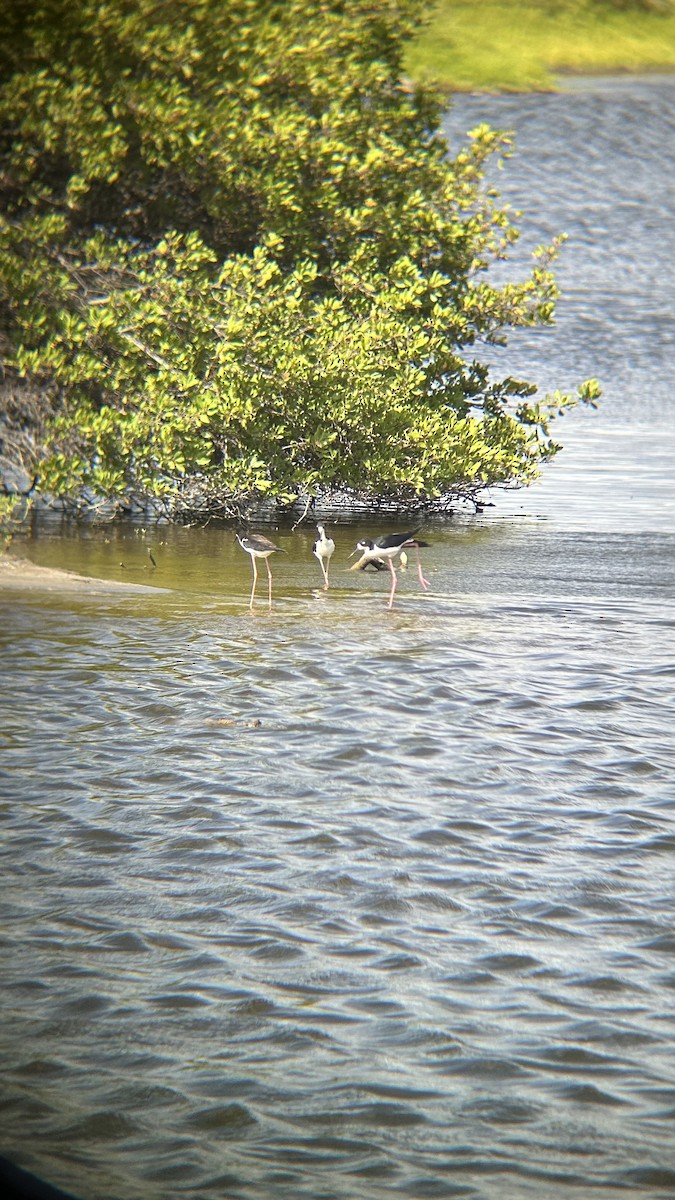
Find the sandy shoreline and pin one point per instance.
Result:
(18, 574)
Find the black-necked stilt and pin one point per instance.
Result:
(259, 547)
(323, 549)
(378, 564)
(386, 548)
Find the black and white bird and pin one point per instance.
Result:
(386, 548)
(259, 547)
(378, 564)
(323, 549)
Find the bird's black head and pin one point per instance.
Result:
(362, 546)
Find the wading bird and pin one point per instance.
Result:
(386, 548)
(259, 547)
(323, 549)
(378, 564)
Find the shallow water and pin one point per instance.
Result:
(326, 901)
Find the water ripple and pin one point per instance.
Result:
(334, 902)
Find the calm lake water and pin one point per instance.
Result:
(330, 902)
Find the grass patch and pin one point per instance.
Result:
(521, 45)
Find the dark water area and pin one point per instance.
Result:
(326, 901)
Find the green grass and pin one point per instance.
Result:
(521, 45)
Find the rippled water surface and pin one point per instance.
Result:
(331, 902)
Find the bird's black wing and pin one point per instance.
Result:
(389, 540)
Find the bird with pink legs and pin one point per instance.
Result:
(259, 546)
(323, 550)
(386, 548)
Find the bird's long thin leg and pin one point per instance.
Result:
(324, 568)
(269, 582)
(255, 580)
(424, 582)
(393, 583)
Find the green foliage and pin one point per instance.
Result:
(240, 265)
(522, 45)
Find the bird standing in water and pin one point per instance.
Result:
(259, 547)
(323, 550)
(386, 548)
